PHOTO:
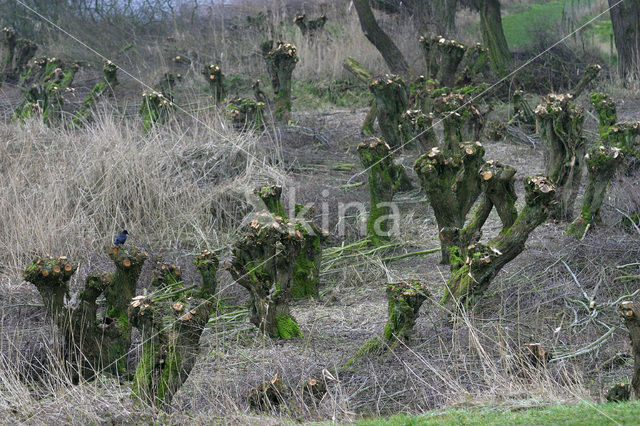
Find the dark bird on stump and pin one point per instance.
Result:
(120, 238)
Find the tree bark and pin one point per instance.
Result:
(560, 123)
(281, 62)
(452, 183)
(631, 316)
(385, 179)
(215, 78)
(590, 74)
(392, 100)
(387, 48)
(602, 164)
(483, 261)
(493, 35)
(625, 17)
(263, 262)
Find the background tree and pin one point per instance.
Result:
(387, 48)
(625, 17)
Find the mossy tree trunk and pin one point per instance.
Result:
(372, 31)
(103, 88)
(392, 100)
(493, 35)
(281, 62)
(213, 74)
(431, 54)
(452, 183)
(246, 113)
(473, 273)
(207, 264)
(451, 54)
(417, 129)
(606, 110)
(170, 325)
(474, 65)
(154, 109)
(385, 179)
(92, 343)
(590, 73)
(626, 136)
(404, 300)
(522, 111)
(263, 262)
(306, 277)
(43, 86)
(560, 123)
(631, 316)
(602, 164)
(461, 120)
(15, 54)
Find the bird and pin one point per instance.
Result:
(120, 238)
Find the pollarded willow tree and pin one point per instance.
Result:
(213, 74)
(473, 267)
(310, 27)
(263, 262)
(170, 321)
(404, 300)
(281, 61)
(392, 100)
(560, 123)
(453, 64)
(43, 86)
(103, 88)
(385, 179)
(306, 276)
(92, 342)
(15, 54)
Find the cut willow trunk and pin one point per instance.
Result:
(43, 86)
(364, 75)
(15, 54)
(452, 183)
(306, 277)
(392, 100)
(461, 120)
(404, 300)
(560, 123)
(154, 109)
(522, 111)
(213, 74)
(590, 73)
(170, 324)
(263, 262)
(472, 274)
(93, 343)
(207, 264)
(631, 316)
(417, 129)
(452, 63)
(246, 114)
(103, 88)
(602, 164)
(281, 62)
(385, 179)
(310, 27)
(606, 110)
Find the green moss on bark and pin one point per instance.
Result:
(392, 100)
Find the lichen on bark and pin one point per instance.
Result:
(462, 121)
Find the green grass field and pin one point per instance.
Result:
(583, 414)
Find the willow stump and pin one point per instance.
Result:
(15, 54)
(392, 100)
(404, 302)
(602, 164)
(631, 316)
(461, 120)
(281, 62)
(103, 88)
(472, 274)
(263, 262)
(207, 264)
(560, 123)
(452, 183)
(213, 74)
(385, 179)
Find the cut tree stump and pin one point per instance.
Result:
(213, 74)
(392, 100)
(207, 264)
(561, 122)
(631, 316)
(281, 61)
(461, 120)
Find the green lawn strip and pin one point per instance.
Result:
(627, 413)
